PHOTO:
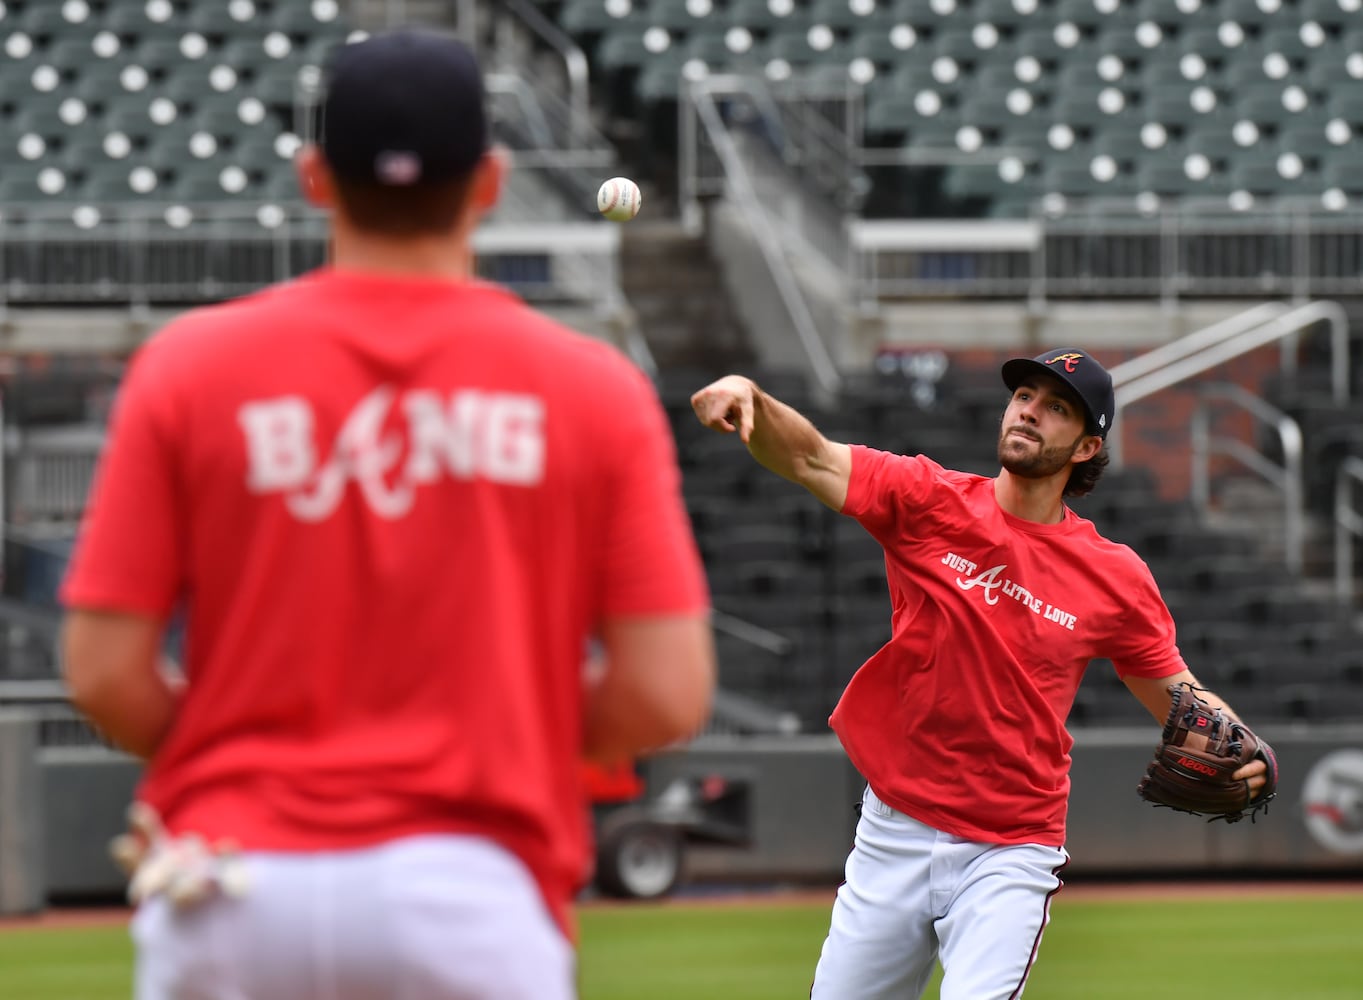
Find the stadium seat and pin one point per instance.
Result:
(587, 16)
(130, 21)
(758, 15)
(673, 16)
(1346, 103)
(304, 21)
(625, 48)
(35, 182)
(218, 21)
(842, 15)
(661, 76)
(1270, 103)
(1084, 14)
(984, 180)
(1250, 13)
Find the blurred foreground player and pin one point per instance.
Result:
(393, 504)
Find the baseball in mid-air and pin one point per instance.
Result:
(619, 199)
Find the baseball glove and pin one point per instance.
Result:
(1199, 750)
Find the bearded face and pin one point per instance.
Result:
(1040, 432)
(1023, 452)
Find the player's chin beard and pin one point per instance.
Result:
(1040, 464)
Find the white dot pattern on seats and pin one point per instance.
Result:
(106, 45)
(45, 78)
(178, 216)
(51, 181)
(657, 40)
(233, 179)
(861, 70)
(903, 37)
(18, 46)
(1245, 133)
(1197, 167)
(133, 79)
(270, 216)
(143, 180)
(738, 40)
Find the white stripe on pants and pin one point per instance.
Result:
(422, 918)
(912, 891)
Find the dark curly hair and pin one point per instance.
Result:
(1084, 476)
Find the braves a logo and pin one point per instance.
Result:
(1071, 361)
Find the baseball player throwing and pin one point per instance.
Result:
(394, 505)
(1001, 596)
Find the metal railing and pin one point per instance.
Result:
(1185, 346)
(575, 64)
(1175, 251)
(1186, 364)
(1286, 478)
(700, 116)
(141, 254)
(1348, 526)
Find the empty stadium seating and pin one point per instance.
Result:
(1077, 97)
(130, 100)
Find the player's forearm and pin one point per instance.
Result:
(784, 440)
(112, 668)
(135, 716)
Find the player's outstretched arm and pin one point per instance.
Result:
(778, 436)
(1155, 695)
(111, 662)
(655, 685)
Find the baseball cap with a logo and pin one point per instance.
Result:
(403, 107)
(1081, 372)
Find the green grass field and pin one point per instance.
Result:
(1273, 947)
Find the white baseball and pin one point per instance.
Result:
(619, 199)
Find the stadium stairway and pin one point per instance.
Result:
(679, 297)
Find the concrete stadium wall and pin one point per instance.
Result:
(804, 791)
(59, 811)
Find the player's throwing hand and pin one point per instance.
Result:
(726, 405)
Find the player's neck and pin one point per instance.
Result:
(1038, 500)
(444, 256)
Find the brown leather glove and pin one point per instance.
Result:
(1199, 750)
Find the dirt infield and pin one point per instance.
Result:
(58, 918)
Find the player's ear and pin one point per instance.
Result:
(488, 177)
(1087, 448)
(314, 177)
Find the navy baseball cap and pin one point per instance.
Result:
(403, 107)
(1081, 372)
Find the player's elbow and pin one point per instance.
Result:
(85, 669)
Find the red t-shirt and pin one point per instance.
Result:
(959, 720)
(393, 510)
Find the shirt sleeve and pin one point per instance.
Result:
(128, 554)
(652, 564)
(883, 488)
(1144, 645)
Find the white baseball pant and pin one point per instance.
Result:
(421, 918)
(913, 894)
